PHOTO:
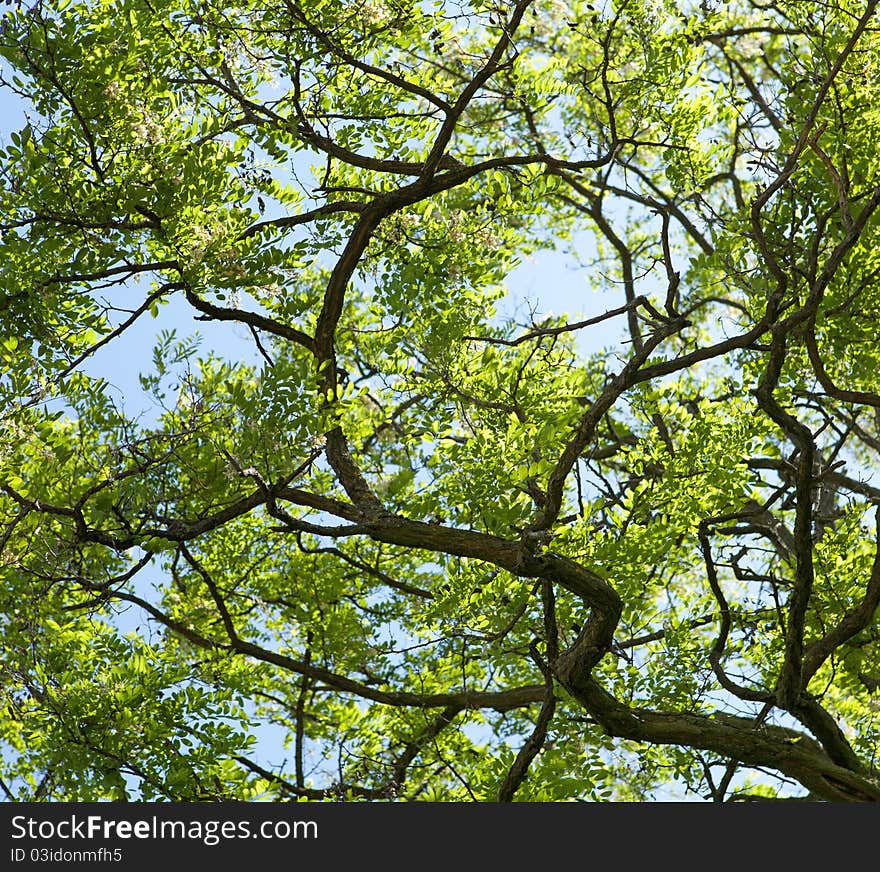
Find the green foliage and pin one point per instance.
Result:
(438, 543)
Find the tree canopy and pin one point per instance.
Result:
(428, 542)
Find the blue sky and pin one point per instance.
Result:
(549, 282)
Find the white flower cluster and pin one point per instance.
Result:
(146, 131)
(750, 47)
(375, 12)
(199, 240)
(410, 221)
(138, 124)
(267, 292)
(489, 240)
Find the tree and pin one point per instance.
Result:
(442, 548)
